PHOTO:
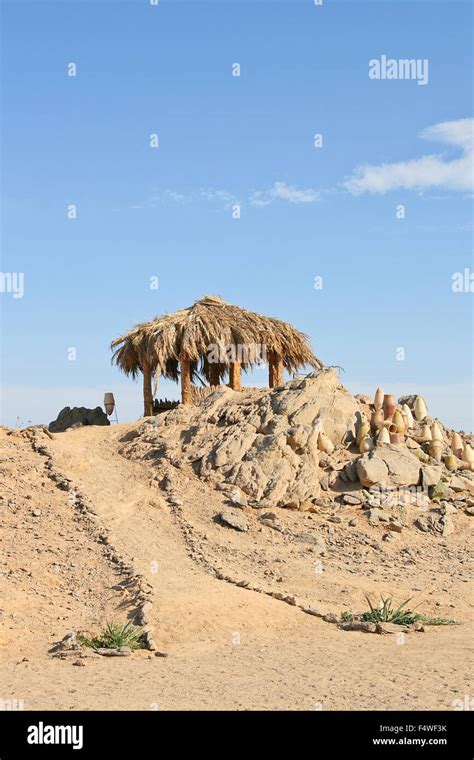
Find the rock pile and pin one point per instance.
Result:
(307, 442)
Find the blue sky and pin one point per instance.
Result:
(167, 212)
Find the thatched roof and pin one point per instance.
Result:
(208, 322)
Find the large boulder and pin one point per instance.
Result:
(371, 469)
(388, 465)
(78, 415)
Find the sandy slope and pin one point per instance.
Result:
(285, 659)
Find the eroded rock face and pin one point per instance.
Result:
(319, 398)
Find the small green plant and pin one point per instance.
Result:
(437, 620)
(114, 636)
(439, 490)
(347, 617)
(387, 612)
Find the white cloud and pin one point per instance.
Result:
(282, 191)
(432, 171)
(223, 197)
(279, 191)
(174, 196)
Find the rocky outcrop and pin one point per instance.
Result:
(265, 448)
(264, 442)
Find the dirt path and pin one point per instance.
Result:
(228, 647)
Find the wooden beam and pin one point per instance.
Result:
(185, 367)
(234, 376)
(147, 391)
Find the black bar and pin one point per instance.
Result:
(131, 734)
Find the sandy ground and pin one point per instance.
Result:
(228, 647)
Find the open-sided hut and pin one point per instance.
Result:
(206, 342)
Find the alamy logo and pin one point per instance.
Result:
(401, 68)
(42, 734)
(12, 282)
(463, 282)
(467, 703)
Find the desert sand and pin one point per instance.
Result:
(85, 510)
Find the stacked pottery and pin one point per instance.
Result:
(376, 420)
(456, 445)
(383, 436)
(366, 444)
(436, 434)
(408, 417)
(436, 449)
(364, 429)
(388, 406)
(391, 429)
(398, 421)
(397, 428)
(420, 409)
(325, 444)
(378, 400)
(451, 462)
(468, 457)
(425, 434)
(420, 454)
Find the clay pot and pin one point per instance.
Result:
(388, 405)
(364, 429)
(398, 421)
(436, 433)
(451, 462)
(389, 426)
(378, 399)
(436, 450)
(366, 444)
(325, 444)
(420, 409)
(421, 455)
(457, 445)
(468, 456)
(425, 434)
(396, 438)
(406, 411)
(109, 403)
(383, 436)
(376, 420)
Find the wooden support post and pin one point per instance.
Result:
(234, 376)
(214, 378)
(275, 369)
(278, 370)
(147, 392)
(271, 370)
(185, 366)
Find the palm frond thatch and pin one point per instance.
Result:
(210, 321)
